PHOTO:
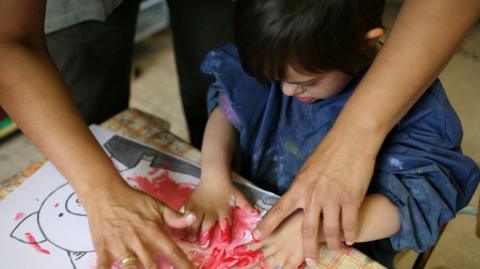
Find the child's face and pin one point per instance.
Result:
(309, 88)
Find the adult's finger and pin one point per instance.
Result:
(177, 220)
(145, 254)
(170, 251)
(104, 259)
(280, 211)
(331, 226)
(310, 228)
(194, 231)
(272, 263)
(350, 223)
(120, 251)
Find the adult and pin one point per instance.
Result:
(332, 183)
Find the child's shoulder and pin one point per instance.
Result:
(225, 66)
(223, 59)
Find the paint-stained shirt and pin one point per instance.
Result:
(420, 167)
(61, 14)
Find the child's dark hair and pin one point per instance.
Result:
(311, 35)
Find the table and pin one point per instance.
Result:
(155, 132)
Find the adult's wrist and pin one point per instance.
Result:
(363, 134)
(102, 189)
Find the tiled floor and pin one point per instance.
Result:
(156, 91)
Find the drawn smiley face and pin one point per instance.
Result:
(58, 214)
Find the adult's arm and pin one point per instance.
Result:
(335, 178)
(34, 95)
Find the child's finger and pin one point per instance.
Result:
(226, 230)
(242, 202)
(206, 231)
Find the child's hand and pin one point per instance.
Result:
(212, 202)
(284, 247)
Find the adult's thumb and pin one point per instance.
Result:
(176, 220)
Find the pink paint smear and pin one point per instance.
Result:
(31, 239)
(19, 216)
(218, 248)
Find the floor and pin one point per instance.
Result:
(155, 90)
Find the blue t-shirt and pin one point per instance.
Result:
(420, 167)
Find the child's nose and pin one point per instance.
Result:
(288, 90)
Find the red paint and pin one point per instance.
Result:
(19, 216)
(56, 205)
(31, 239)
(221, 247)
(224, 247)
(164, 189)
(226, 232)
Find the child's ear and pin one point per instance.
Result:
(373, 35)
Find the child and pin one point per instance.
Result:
(295, 64)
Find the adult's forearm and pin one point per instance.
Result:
(34, 95)
(422, 41)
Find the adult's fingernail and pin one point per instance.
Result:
(310, 262)
(349, 243)
(183, 209)
(191, 218)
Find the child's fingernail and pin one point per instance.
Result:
(191, 218)
(310, 262)
(232, 201)
(256, 236)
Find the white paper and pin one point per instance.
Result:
(45, 208)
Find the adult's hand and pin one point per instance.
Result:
(332, 183)
(129, 223)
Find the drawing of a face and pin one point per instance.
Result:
(58, 213)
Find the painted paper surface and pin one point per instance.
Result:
(45, 226)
